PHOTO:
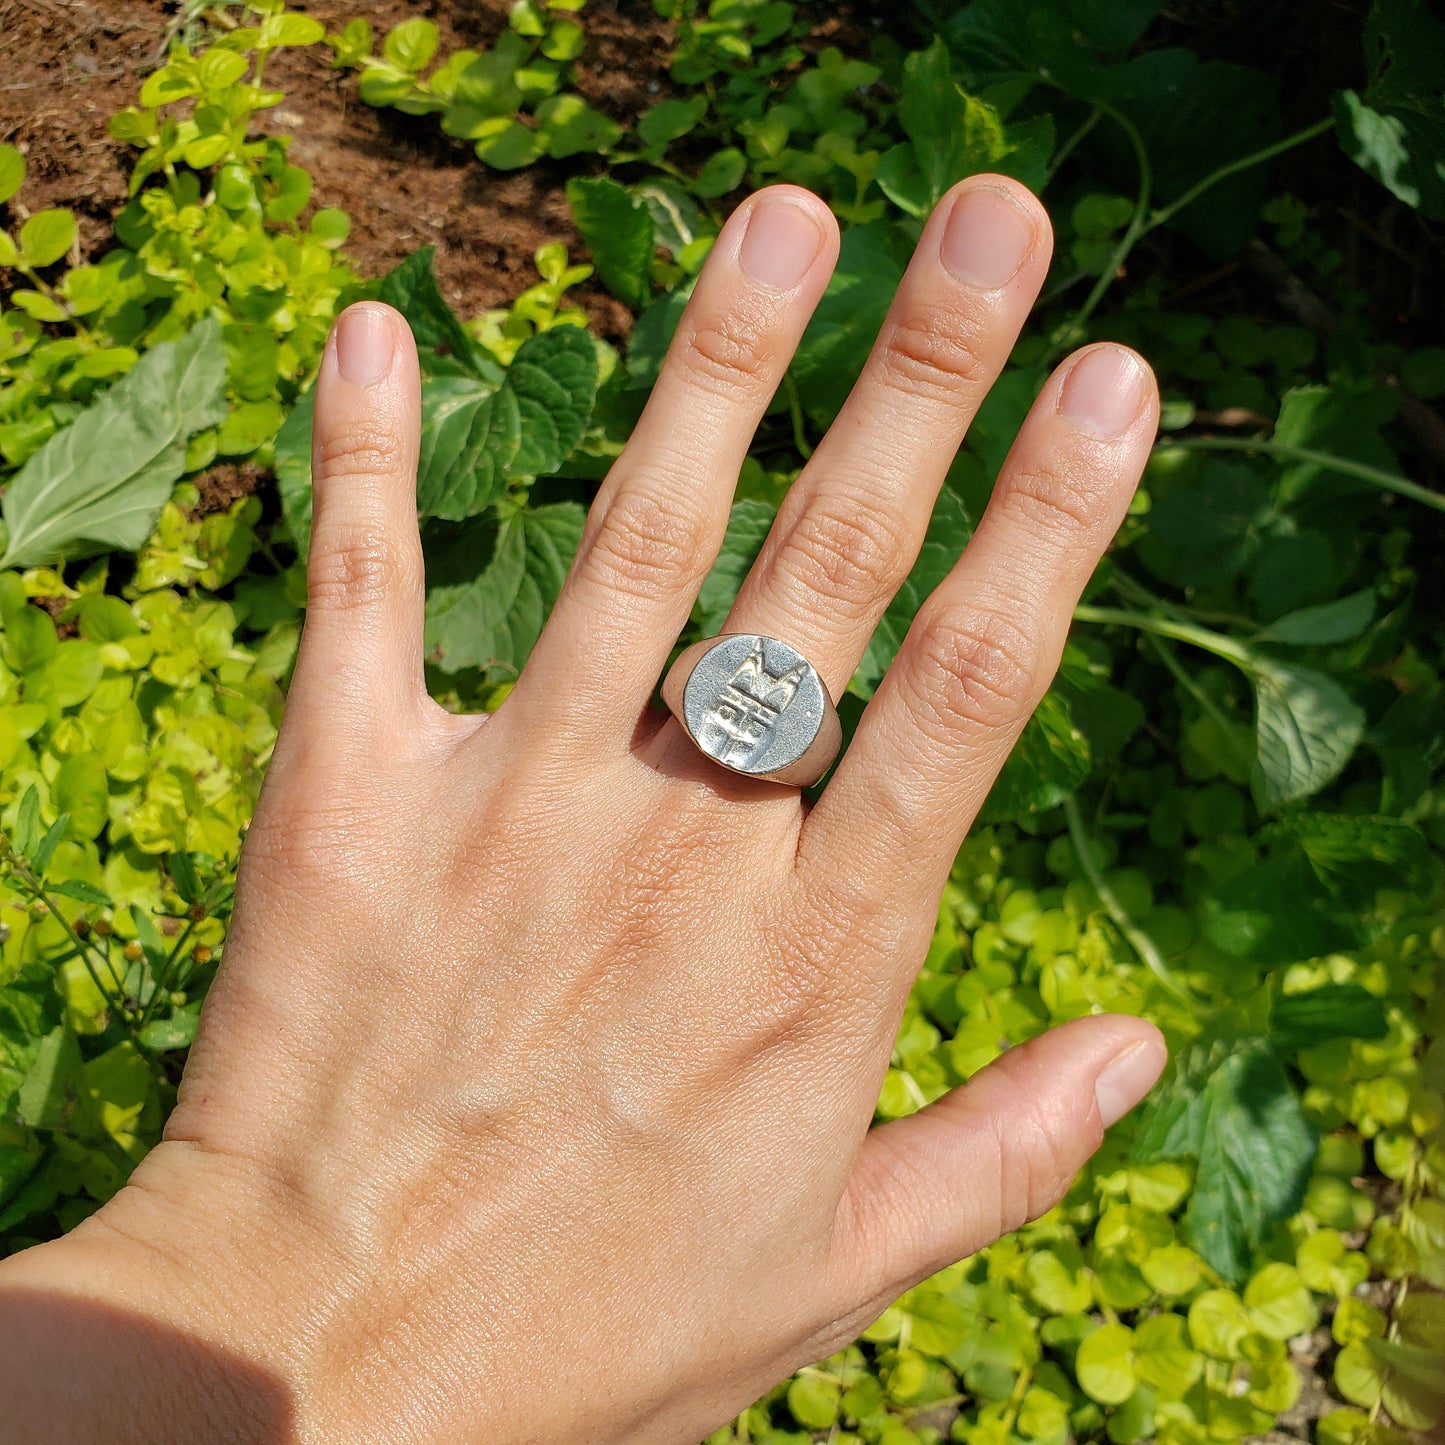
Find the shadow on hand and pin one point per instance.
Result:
(80, 1373)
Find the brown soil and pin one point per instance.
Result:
(71, 64)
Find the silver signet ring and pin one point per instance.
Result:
(755, 705)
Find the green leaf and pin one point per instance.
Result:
(1279, 1302)
(1339, 621)
(871, 260)
(748, 525)
(1395, 130)
(291, 29)
(618, 230)
(1229, 1106)
(1331, 1011)
(45, 849)
(491, 621)
(1105, 1364)
(100, 482)
(475, 440)
(12, 171)
(554, 378)
(48, 1095)
(411, 44)
(814, 1401)
(1277, 911)
(27, 821)
(948, 532)
(176, 1032)
(1050, 760)
(292, 450)
(1307, 727)
(46, 237)
(469, 437)
(249, 426)
(443, 346)
(951, 135)
(82, 891)
(567, 126)
(723, 171)
(668, 119)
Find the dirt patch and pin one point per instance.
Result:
(72, 64)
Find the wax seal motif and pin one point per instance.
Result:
(755, 705)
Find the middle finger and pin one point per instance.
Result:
(851, 526)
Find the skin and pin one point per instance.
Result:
(532, 1100)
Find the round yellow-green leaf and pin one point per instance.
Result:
(1055, 1286)
(1359, 1376)
(1356, 1320)
(1105, 1364)
(1279, 1302)
(1218, 1321)
(814, 1401)
(1173, 1270)
(47, 236)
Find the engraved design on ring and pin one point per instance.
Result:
(755, 705)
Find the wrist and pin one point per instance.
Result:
(117, 1332)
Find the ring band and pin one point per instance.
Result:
(755, 705)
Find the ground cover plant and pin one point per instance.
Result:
(1227, 814)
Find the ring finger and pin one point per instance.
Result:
(851, 526)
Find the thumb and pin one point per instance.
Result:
(936, 1186)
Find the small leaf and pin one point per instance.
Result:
(46, 237)
(45, 849)
(27, 821)
(1306, 729)
(1338, 621)
(1331, 1011)
(1105, 1364)
(49, 1091)
(411, 44)
(82, 891)
(12, 171)
(618, 230)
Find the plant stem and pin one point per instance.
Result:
(1215, 642)
(795, 411)
(1344, 466)
(1255, 158)
(1139, 941)
(1138, 225)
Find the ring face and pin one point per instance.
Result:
(754, 704)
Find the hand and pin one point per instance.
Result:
(532, 1099)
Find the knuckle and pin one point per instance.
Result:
(936, 352)
(973, 667)
(356, 451)
(646, 548)
(358, 566)
(1034, 1168)
(728, 350)
(1059, 501)
(848, 552)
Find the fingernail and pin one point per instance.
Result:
(364, 344)
(779, 244)
(1104, 391)
(1128, 1078)
(987, 237)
